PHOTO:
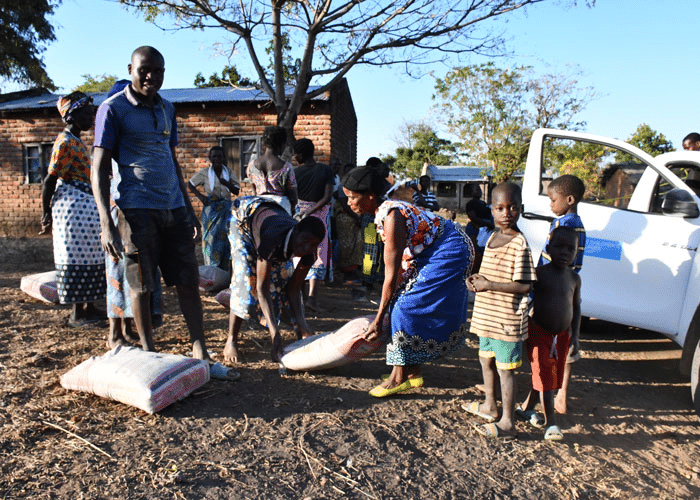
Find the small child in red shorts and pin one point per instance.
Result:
(556, 307)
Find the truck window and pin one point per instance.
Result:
(687, 172)
(610, 174)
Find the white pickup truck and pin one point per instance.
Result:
(641, 265)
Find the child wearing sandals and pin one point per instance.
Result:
(500, 311)
(556, 308)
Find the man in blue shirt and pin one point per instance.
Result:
(157, 224)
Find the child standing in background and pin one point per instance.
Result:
(565, 192)
(273, 178)
(499, 317)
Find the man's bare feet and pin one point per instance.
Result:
(199, 352)
(231, 355)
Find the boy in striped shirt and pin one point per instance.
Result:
(499, 316)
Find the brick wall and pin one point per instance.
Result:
(331, 125)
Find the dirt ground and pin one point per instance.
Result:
(630, 432)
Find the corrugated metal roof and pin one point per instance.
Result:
(176, 96)
(456, 173)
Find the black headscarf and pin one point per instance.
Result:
(368, 179)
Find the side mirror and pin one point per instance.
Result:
(679, 203)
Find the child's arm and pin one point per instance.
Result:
(576, 320)
(480, 284)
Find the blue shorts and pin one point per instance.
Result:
(509, 355)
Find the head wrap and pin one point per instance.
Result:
(367, 179)
(68, 105)
(359, 179)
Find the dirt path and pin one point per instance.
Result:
(631, 431)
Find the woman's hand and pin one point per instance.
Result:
(46, 222)
(374, 330)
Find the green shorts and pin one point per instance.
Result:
(509, 355)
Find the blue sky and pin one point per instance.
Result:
(639, 55)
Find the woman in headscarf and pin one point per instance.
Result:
(264, 239)
(426, 262)
(69, 209)
(219, 183)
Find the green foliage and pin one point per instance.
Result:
(24, 31)
(100, 83)
(579, 158)
(290, 65)
(424, 146)
(648, 140)
(229, 78)
(494, 111)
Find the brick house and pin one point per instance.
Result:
(232, 118)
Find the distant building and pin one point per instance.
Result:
(232, 118)
(452, 184)
(619, 180)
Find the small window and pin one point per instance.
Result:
(687, 172)
(447, 189)
(36, 162)
(239, 151)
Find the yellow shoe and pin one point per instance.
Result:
(415, 381)
(381, 392)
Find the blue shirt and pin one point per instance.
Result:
(141, 139)
(426, 200)
(572, 221)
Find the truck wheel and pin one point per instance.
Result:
(695, 379)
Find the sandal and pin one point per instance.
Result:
(531, 416)
(473, 409)
(221, 372)
(553, 433)
(490, 430)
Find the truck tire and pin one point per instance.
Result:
(695, 379)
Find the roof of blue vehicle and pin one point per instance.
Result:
(39, 98)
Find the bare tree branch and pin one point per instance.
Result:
(330, 37)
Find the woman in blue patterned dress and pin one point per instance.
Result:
(218, 184)
(426, 262)
(69, 209)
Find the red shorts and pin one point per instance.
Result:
(547, 371)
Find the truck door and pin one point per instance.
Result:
(637, 260)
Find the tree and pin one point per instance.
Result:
(424, 146)
(328, 38)
(494, 111)
(648, 140)
(24, 30)
(96, 83)
(229, 77)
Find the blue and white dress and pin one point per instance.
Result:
(428, 311)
